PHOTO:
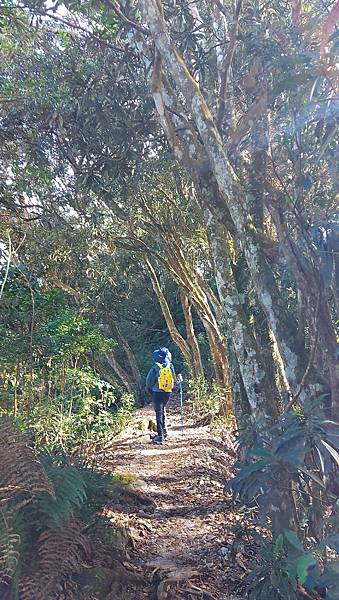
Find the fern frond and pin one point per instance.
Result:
(45, 504)
(70, 494)
(9, 547)
(62, 553)
(98, 491)
(22, 475)
(22, 478)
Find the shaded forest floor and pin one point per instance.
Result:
(179, 519)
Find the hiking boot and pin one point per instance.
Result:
(165, 435)
(157, 440)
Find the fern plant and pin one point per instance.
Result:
(49, 509)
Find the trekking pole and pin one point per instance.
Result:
(180, 380)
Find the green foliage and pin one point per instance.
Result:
(123, 412)
(69, 335)
(67, 422)
(83, 410)
(38, 324)
(70, 494)
(299, 455)
(48, 383)
(62, 535)
(204, 398)
(123, 479)
(281, 569)
(286, 570)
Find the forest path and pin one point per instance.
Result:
(181, 527)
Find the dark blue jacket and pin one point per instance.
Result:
(164, 357)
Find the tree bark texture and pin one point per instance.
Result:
(191, 337)
(261, 396)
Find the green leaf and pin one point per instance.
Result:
(278, 545)
(293, 539)
(314, 87)
(322, 464)
(261, 453)
(304, 565)
(332, 451)
(312, 476)
(257, 466)
(326, 143)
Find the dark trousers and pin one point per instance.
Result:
(160, 400)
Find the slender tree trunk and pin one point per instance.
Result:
(242, 407)
(190, 282)
(220, 364)
(66, 287)
(185, 277)
(16, 383)
(120, 371)
(307, 275)
(100, 368)
(191, 337)
(128, 351)
(216, 360)
(173, 331)
(258, 147)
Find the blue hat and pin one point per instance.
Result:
(161, 354)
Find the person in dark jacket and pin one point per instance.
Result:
(161, 356)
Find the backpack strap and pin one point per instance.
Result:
(159, 365)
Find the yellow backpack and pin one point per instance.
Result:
(165, 378)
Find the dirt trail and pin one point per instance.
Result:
(182, 525)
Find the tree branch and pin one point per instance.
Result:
(9, 257)
(228, 61)
(174, 333)
(117, 9)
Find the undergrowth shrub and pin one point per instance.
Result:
(205, 398)
(289, 481)
(88, 410)
(48, 381)
(123, 412)
(52, 516)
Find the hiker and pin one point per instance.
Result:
(159, 383)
